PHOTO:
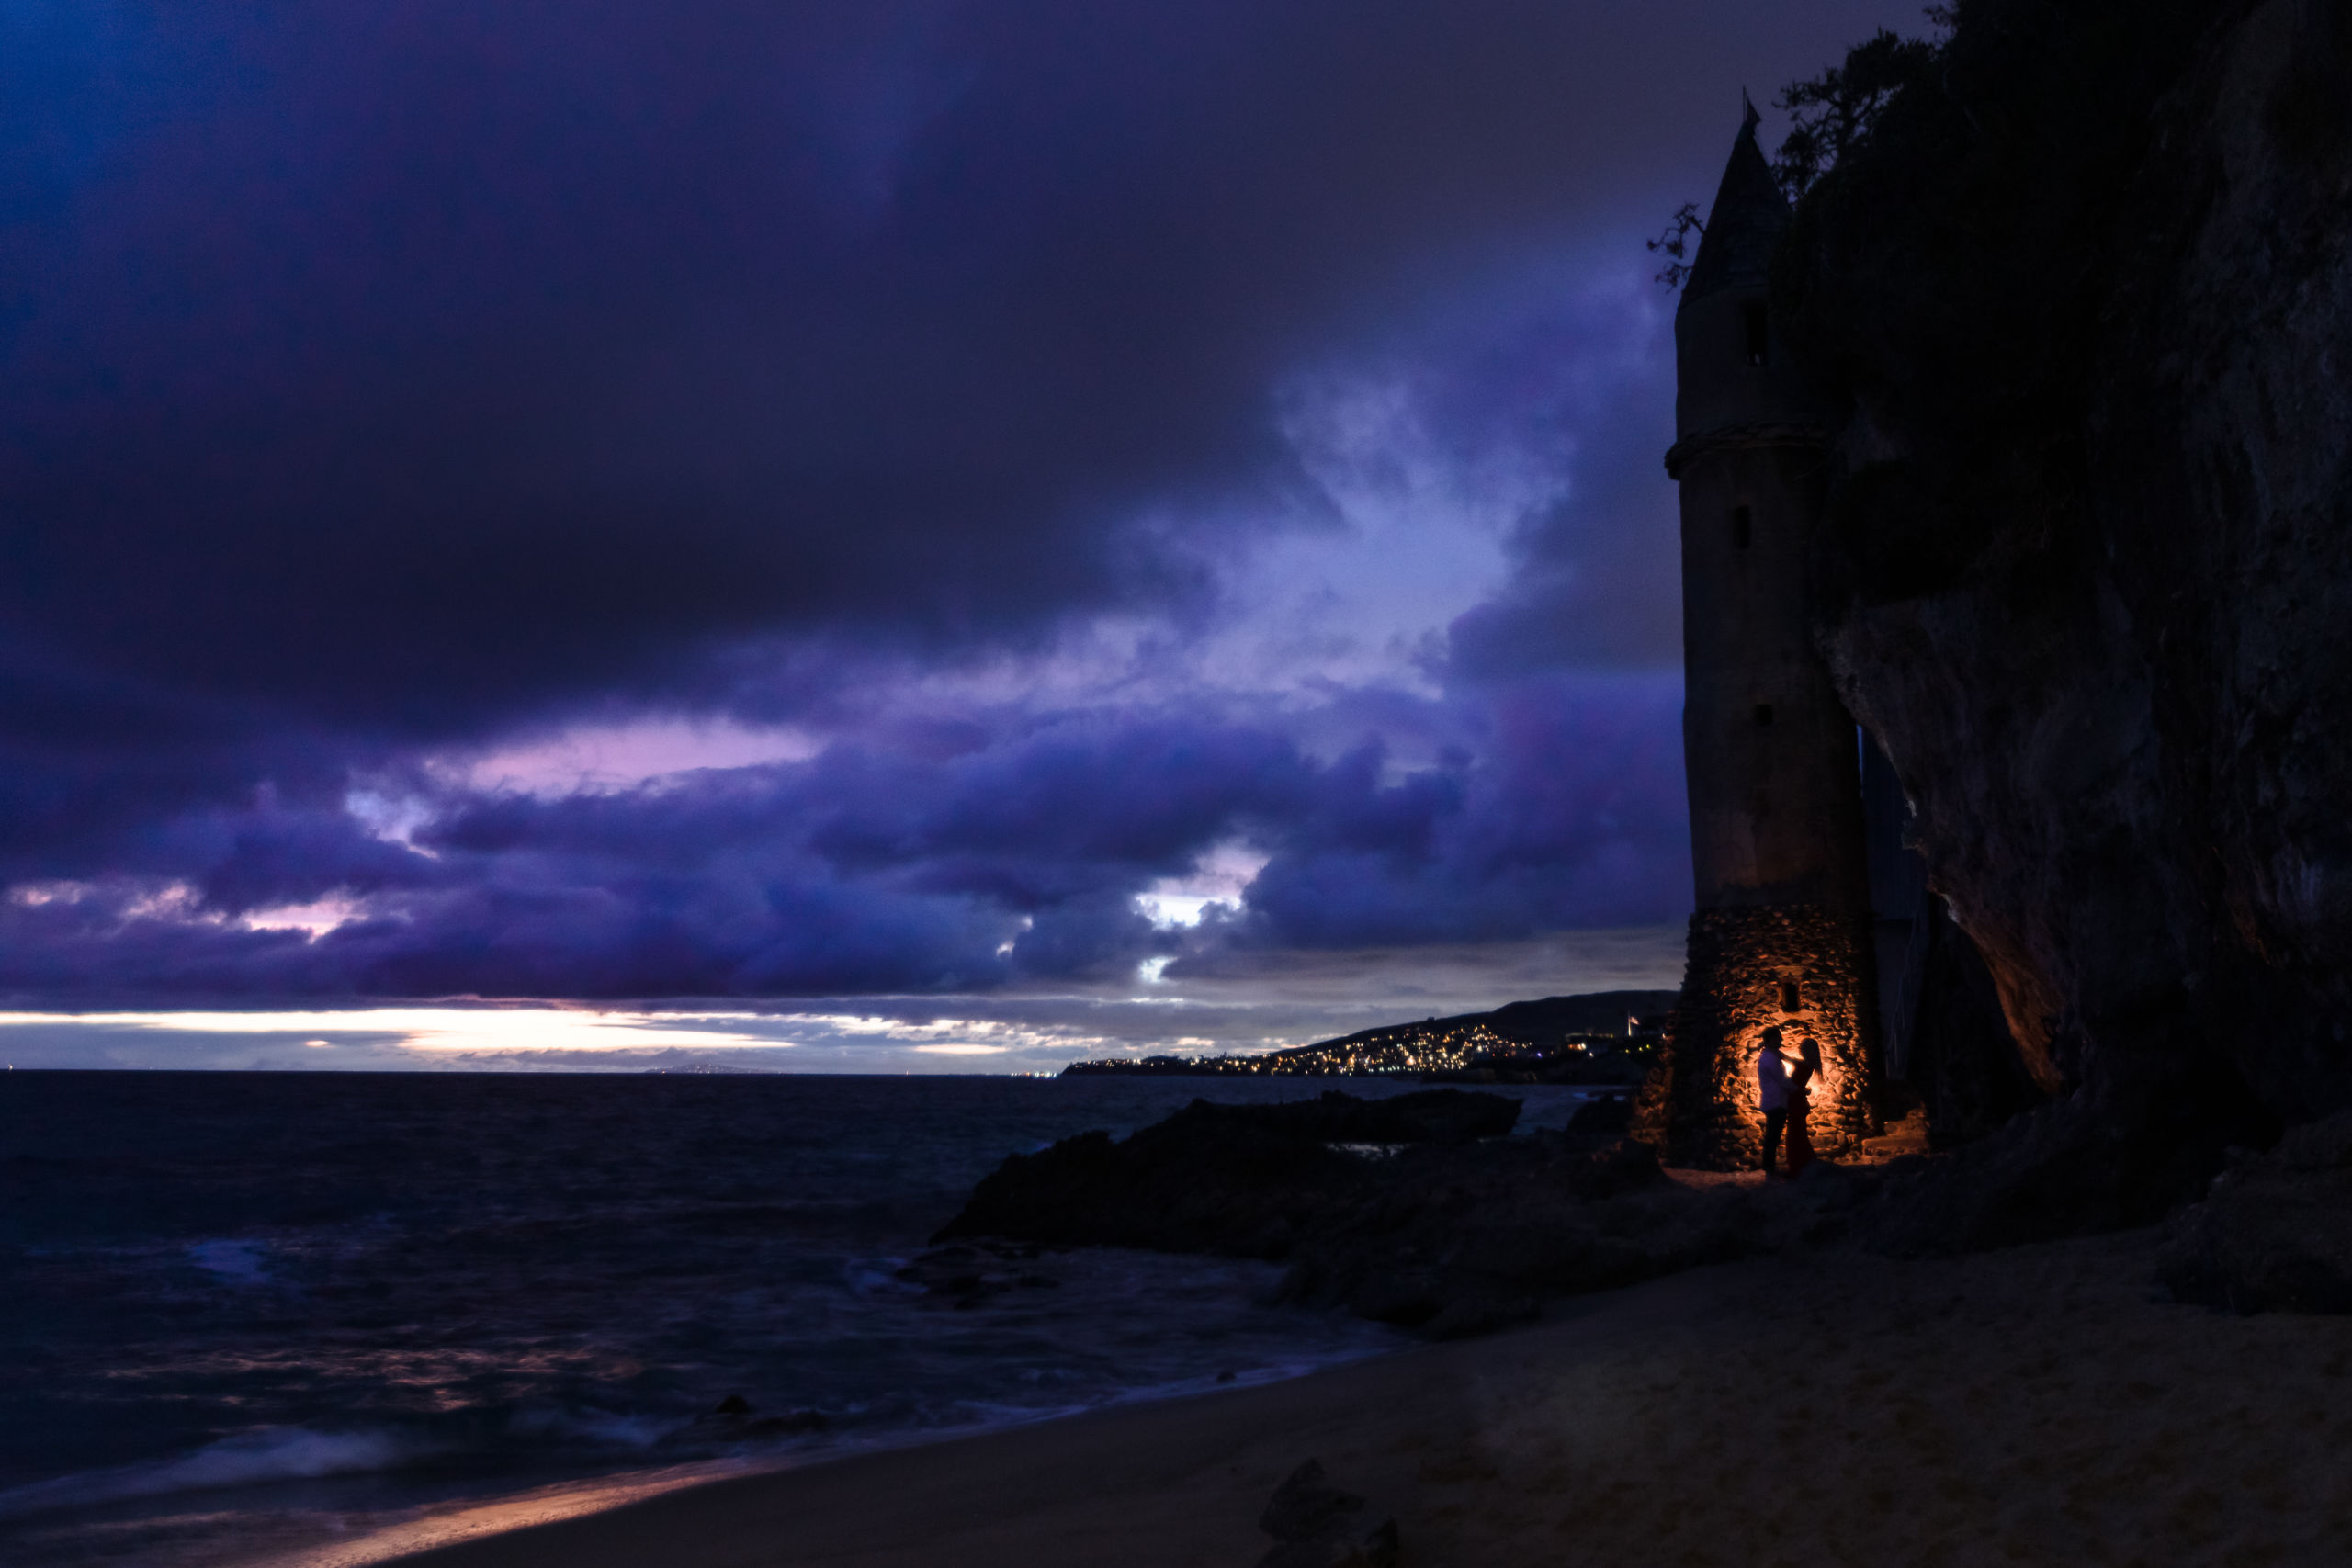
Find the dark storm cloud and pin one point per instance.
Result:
(379, 378)
(1571, 815)
(400, 363)
(1599, 584)
(864, 870)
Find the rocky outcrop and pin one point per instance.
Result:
(2275, 1234)
(1317, 1525)
(967, 1276)
(1476, 1240)
(1446, 1233)
(2084, 299)
(1242, 1180)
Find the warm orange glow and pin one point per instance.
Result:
(1826, 1087)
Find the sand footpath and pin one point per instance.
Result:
(2031, 1405)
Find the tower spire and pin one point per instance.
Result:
(1746, 222)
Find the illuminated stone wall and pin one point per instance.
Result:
(1700, 1106)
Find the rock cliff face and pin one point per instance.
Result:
(2086, 302)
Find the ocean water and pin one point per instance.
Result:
(313, 1318)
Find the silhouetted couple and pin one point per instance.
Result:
(1785, 1093)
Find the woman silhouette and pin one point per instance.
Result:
(1800, 1079)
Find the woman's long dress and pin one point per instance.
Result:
(1800, 1143)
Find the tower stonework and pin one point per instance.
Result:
(1782, 928)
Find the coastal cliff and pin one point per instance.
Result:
(2078, 299)
(2082, 297)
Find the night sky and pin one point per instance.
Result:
(616, 500)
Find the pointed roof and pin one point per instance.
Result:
(1744, 223)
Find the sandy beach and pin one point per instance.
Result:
(2039, 1404)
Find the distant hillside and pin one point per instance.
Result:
(1564, 1039)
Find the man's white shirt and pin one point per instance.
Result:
(1771, 1081)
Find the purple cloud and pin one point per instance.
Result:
(1107, 434)
(863, 869)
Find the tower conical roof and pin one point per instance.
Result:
(1744, 223)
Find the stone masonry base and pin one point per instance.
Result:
(1745, 967)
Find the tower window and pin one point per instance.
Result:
(1764, 715)
(1759, 337)
(1742, 527)
(1790, 999)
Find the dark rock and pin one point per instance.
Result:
(1618, 1169)
(967, 1274)
(1376, 1548)
(1317, 1525)
(2081, 302)
(2316, 1145)
(1479, 1311)
(2081, 1164)
(1609, 1115)
(1380, 1547)
(728, 1418)
(1830, 1186)
(2275, 1232)
(1241, 1180)
(1474, 1241)
(795, 1423)
(1456, 1234)
(1404, 1299)
(1307, 1504)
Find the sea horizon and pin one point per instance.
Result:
(1262, 1003)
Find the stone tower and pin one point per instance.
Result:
(1783, 930)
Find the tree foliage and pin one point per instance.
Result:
(1829, 114)
(1675, 244)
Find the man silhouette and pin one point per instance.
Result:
(1772, 1094)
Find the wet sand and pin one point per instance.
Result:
(2033, 1406)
